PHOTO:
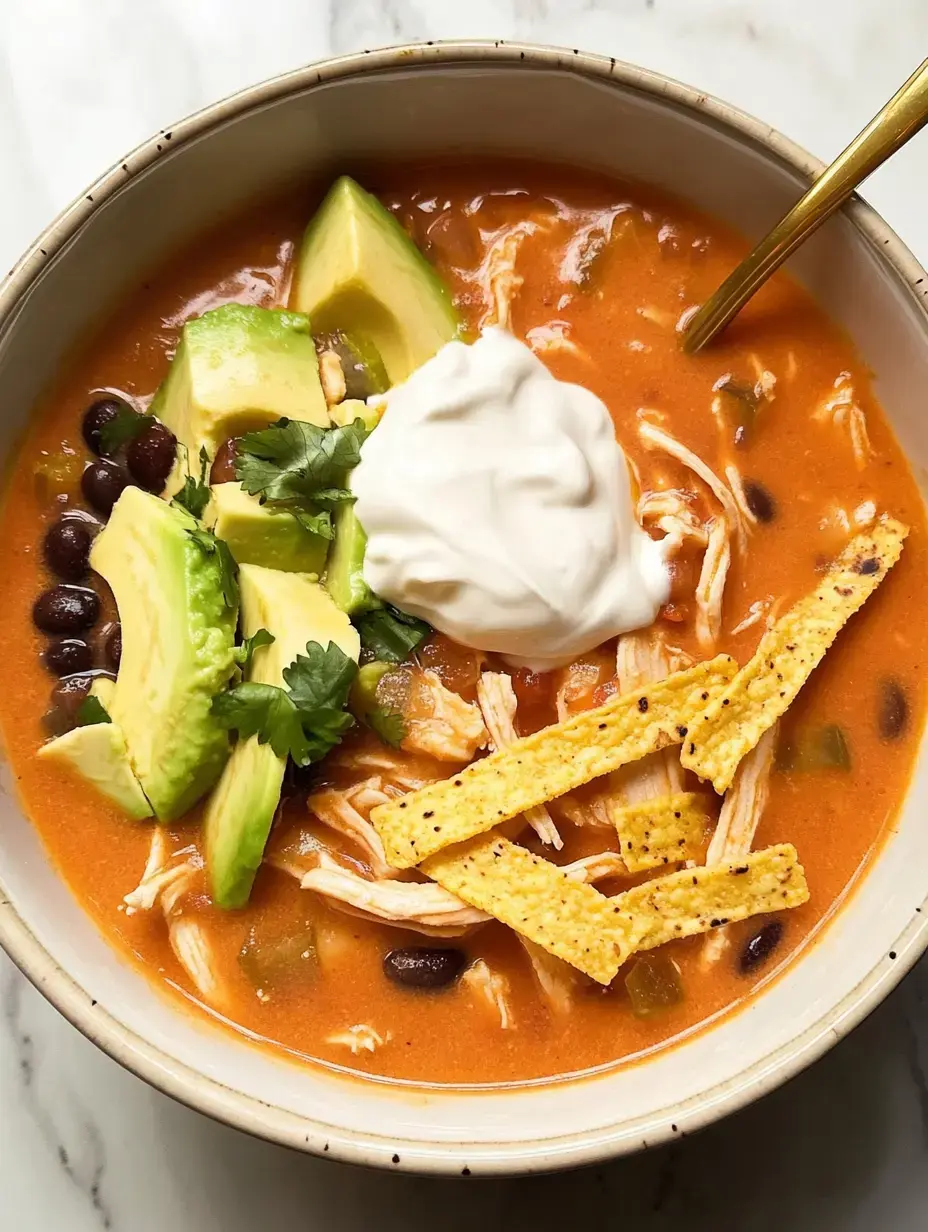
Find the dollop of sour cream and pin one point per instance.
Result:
(497, 506)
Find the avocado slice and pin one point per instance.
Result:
(260, 535)
(344, 576)
(98, 754)
(240, 811)
(238, 368)
(178, 640)
(358, 272)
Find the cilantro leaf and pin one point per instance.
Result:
(125, 426)
(391, 635)
(194, 495)
(91, 711)
(265, 711)
(245, 652)
(293, 460)
(321, 677)
(306, 719)
(389, 726)
(316, 523)
(207, 542)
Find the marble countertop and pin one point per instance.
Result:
(84, 1145)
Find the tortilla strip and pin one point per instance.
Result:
(539, 901)
(545, 765)
(695, 900)
(668, 830)
(731, 725)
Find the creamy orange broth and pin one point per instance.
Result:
(667, 259)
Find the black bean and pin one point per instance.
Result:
(150, 457)
(100, 413)
(422, 967)
(102, 484)
(223, 468)
(893, 712)
(68, 655)
(759, 947)
(66, 609)
(760, 502)
(68, 693)
(66, 548)
(113, 647)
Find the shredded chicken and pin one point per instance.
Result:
(741, 812)
(578, 680)
(454, 730)
(394, 770)
(500, 281)
(165, 881)
(744, 803)
(766, 382)
(735, 482)
(337, 810)
(557, 979)
(598, 867)
(332, 378)
(497, 700)
(553, 337)
(658, 316)
(760, 611)
(421, 906)
(656, 438)
(710, 589)
(493, 987)
(359, 1038)
(642, 659)
(670, 510)
(842, 409)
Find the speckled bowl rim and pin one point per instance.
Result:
(271, 1122)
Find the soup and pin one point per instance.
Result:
(280, 898)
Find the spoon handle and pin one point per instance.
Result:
(902, 117)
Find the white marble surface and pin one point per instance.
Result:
(84, 1145)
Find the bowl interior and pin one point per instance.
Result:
(617, 125)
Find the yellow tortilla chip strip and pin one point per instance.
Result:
(731, 725)
(543, 766)
(667, 830)
(695, 900)
(539, 901)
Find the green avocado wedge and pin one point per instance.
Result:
(359, 273)
(262, 535)
(98, 754)
(178, 638)
(240, 811)
(236, 369)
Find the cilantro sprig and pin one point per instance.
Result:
(305, 719)
(301, 467)
(245, 653)
(92, 711)
(194, 495)
(390, 635)
(124, 427)
(208, 543)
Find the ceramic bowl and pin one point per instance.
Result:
(505, 100)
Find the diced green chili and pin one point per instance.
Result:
(653, 984)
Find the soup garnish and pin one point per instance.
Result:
(455, 669)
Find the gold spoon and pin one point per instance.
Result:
(901, 118)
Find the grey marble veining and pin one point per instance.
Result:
(84, 1145)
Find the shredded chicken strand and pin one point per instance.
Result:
(669, 510)
(761, 611)
(656, 438)
(500, 281)
(736, 483)
(165, 881)
(557, 980)
(598, 867)
(710, 589)
(454, 731)
(554, 338)
(493, 987)
(359, 1038)
(336, 810)
(741, 812)
(744, 803)
(843, 410)
(642, 659)
(498, 704)
(392, 769)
